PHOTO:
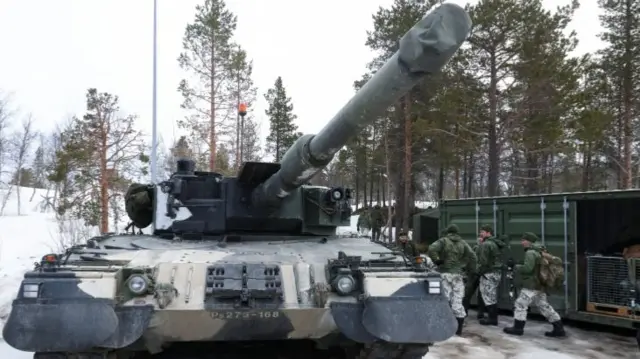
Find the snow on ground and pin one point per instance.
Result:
(25, 238)
(480, 342)
(353, 229)
(419, 204)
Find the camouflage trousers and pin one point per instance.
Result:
(453, 289)
(537, 298)
(489, 283)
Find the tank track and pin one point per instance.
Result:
(378, 350)
(391, 351)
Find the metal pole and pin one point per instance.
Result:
(154, 119)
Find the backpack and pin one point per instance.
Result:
(139, 204)
(551, 271)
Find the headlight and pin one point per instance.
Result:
(30, 290)
(344, 284)
(137, 284)
(334, 195)
(434, 287)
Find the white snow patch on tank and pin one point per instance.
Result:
(162, 221)
(306, 174)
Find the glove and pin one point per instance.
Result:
(358, 229)
(438, 262)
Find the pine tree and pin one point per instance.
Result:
(494, 44)
(39, 166)
(97, 152)
(621, 59)
(207, 54)
(543, 70)
(282, 131)
(251, 149)
(389, 25)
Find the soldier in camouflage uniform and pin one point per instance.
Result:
(364, 221)
(453, 256)
(471, 286)
(376, 221)
(490, 272)
(532, 292)
(406, 246)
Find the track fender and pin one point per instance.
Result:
(77, 325)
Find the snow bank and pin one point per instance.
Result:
(24, 239)
(419, 204)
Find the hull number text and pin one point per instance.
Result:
(241, 314)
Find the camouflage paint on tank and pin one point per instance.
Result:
(95, 297)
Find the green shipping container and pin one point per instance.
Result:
(588, 231)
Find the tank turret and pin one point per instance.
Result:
(275, 197)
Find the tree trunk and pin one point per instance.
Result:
(104, 186)
(407, 162)
(19, 188)
(212, 120)
(494, 160)
(627, 174)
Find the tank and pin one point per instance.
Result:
(249, 265)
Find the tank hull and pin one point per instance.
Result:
(85, 323)
(82, 308)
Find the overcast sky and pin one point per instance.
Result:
(53, 50)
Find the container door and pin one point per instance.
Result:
(469, 216)
(559, 223)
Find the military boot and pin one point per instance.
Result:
(516, 329)
(460, 325)
(558, 330)
(481, 308)
(492, 318)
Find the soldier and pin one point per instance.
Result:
(406, 246)
(471, 286)
(376, 221)
(363, 221)
(490, 272)
(453, 256)
(532, 291)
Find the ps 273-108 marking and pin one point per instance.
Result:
(245, 314)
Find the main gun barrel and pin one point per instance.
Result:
(424, 49)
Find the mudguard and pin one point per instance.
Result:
(409, 320)
(407, 314)
(348, 319)
(73, 326)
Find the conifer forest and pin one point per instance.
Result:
(516, 112)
